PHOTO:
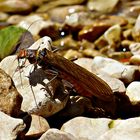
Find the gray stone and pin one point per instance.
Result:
(87, 128)
(55, 134)
(10, 127)
(102, 65)
(38, 126)
(126, 130)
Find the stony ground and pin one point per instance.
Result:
(95, 95)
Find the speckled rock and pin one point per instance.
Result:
(10, 99)
(10, 127)
(55, 134)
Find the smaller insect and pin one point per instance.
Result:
(31, 52)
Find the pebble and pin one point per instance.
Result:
(125, 130)
(103, 128)
(115, 84)
(72, 54)
(87, 128)
(132, 91)
(52, 4)
(88, 32)
(59, 14)
(85, 63)
(101, 5)
(113, 35)
(34, 23)
(38, 126)
(102, 65)
(135, 60)
(15, 6)
(10, 127)
(135, 48)
(3, 16)
(55, 134)
(10, 99)
(136, 30)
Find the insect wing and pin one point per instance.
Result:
(94, 85)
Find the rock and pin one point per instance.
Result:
(88, 32)
(125, 44)
(115, 84)
(55, 134)
(10, 99)
(101, 5)
(38, 126)
(15, 19)
(132, 92)
(135, 48)
(3, 16)
(136, 30)
(34, 23)
(112, 20)
(126, 130)
(135, 59)
(88, 128)
(10, 127)
(31, 83)
(14, 6)
(113, 35)
(56, 3)
(78, 19)
(66, 43)
(59, 14)
(72, 54)
(85, 63)
(127, 73)
(53, 31)
(91, 52)
(127, 34)
(120, 56)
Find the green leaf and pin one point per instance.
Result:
(9, 38)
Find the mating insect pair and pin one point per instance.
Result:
(84, 82)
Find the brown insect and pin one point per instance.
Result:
(85, 83)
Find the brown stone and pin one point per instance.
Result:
(10, 99)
